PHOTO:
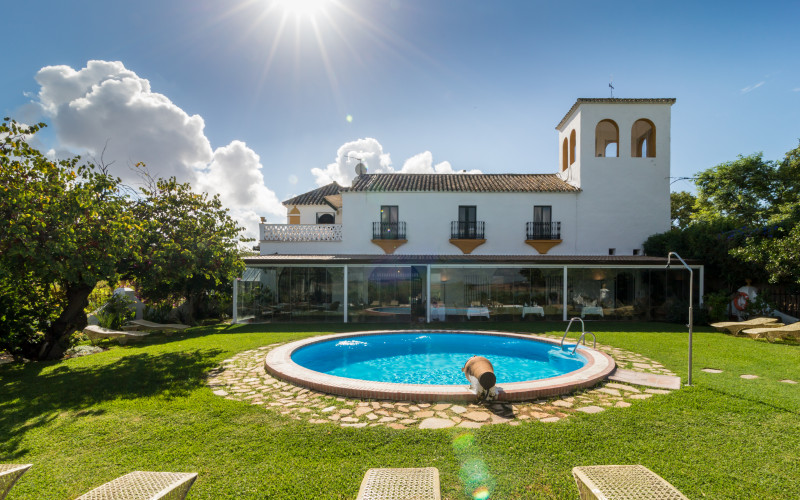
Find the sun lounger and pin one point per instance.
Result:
(400, 484)
(95, 333)
(9, 473)
(149, 326)
(735, 327)
(780, 331)
(140, 485)
(622, 481)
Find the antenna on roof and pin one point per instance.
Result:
(611, 85)
(361, 169)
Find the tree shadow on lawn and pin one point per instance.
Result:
(34, 394)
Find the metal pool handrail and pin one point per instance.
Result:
(583, 329)
(582, 337)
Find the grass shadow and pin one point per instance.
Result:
(33, 394)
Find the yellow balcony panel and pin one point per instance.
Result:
(543, 246)
(389, 246)
(467, 245)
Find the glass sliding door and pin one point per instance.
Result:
(467, 221)
(386, 293)
(389, 222)
(542, 222)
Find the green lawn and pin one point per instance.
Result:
(85, 421)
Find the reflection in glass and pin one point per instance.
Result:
(386, 293)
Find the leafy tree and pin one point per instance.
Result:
(189, 246)
(682, 207)
(746, 222)
(710, 243)
(776, 244)
(65, 228)
(70, 225)
(743, 191)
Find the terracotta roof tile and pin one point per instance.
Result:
(317, 196)
(486, 183)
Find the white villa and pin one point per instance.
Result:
(435, 247)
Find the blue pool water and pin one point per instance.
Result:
(435, 358)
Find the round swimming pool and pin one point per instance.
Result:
(435, 358)
(426, 365)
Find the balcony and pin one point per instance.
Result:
(467, 236)
(389, 235)
(543, 235)
(388, 230)
(301, 232)
(543, 230)
(466, 230)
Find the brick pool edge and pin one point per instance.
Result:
(278, 363)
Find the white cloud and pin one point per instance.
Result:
(367, 151)
(370, 152)
(106, 105)
(422, 163)
(235, 175)
(752, 87)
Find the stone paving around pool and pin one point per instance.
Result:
(243, 378)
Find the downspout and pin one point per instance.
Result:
(235, 315)
(346, 296)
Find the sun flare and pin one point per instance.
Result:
(302, 8)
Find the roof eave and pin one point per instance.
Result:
(612, 100)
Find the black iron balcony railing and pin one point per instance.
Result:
(388, 230)
(466, 230)
(543, 230)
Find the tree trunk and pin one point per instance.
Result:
(190, 309)
(72, 318)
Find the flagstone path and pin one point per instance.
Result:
(243, 378)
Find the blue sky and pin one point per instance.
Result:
(443, 85)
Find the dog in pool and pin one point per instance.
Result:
(480, 373)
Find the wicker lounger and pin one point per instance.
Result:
(773, 332)
(144, 325)
(95, 332)
(400, 484)
(623, 482)
(139, 485)
(9, 473)
(735, 327)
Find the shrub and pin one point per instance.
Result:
(760, 306)
(717, 305)
(678, 312)
(158, 312)
(116, 312)
(99, 297)
(218, 305)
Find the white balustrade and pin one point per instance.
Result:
(301, 232)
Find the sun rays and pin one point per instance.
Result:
(302, 8)
(312, 39)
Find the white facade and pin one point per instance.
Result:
(622, 199)
(461, 247)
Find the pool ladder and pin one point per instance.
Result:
(582, 337)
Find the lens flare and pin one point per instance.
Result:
(474, 473)
(349, 118)
(481, 493)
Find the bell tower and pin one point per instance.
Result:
(617, 151)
